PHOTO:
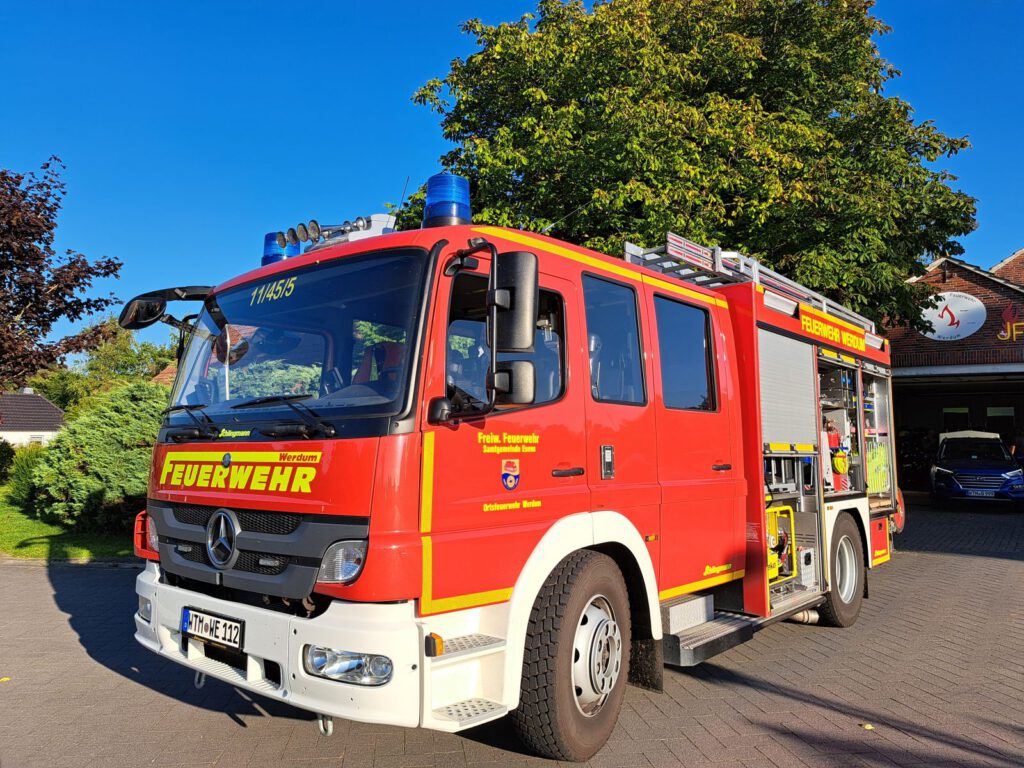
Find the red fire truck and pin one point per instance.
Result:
(436, 477)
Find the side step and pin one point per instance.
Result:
(724, 631)
(469, 645)
(471, 711)
(685, 612)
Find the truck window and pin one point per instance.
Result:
(686, 352)
(265, 361)
(613, 342)
(467, 356)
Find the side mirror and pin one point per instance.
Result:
(513, 298)
(513, 383)
(142, 312)
(439, 411)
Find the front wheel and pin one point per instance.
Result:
(846, 575)
(576, 659)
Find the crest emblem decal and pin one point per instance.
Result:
(510, 474)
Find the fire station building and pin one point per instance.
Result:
(968, 373)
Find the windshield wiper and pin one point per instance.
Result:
(204, 426)
(311, 422)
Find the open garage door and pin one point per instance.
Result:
(926, 406)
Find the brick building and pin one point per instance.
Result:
(969, 372)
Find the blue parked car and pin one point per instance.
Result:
(975, 465)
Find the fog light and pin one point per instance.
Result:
(342, 562)
(145, 609)
(346, 666)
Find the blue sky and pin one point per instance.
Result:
(189, 130)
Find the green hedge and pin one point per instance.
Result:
(21, 490)
(6, 460)
(94, 473)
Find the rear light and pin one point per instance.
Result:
(147, 543)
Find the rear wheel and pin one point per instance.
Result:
(576, 659)
(846, 574)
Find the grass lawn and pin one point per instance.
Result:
(24, 537)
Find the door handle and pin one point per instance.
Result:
(571, 472)
(721, 467)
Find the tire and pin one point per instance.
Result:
(573, 676)
(846, 575)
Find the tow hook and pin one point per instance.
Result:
(200, 680)
(326, 724)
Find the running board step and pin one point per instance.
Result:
(694, 645)
(724, 631)
(471, 712)
(468, 646)
(686, 612)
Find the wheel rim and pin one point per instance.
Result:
(846, 569)
(597, 656)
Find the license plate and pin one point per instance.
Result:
(987, 494)
(216, 629)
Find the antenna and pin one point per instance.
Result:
(402, 201)
(553, 224)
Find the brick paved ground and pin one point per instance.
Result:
(934, 665)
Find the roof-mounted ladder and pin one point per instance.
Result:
(690, 262)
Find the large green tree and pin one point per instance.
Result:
(757, 125)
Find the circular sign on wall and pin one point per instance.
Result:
(956, 316)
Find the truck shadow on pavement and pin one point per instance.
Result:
(100, 603)
(896, 738)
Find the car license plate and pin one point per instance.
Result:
(216, 629)
(987, 494)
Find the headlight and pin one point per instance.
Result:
(152, 539)
(943, 472)
(343, 562)
(1015, 474)
(346, 666)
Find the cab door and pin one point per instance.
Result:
(699, 467)
(621, 455)
(494, 484)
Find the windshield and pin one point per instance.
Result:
(974, 450)
(334, 337)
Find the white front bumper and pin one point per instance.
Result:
(387, 629)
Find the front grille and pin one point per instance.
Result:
(195, 553)
(192, 514)
(982, 482)
(249, 562)
(257, 521)
(291, 546)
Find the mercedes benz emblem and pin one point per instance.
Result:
(220, 539)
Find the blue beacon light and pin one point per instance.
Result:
(271, 250)
(447, 201)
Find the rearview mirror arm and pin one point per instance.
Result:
(495, 299)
